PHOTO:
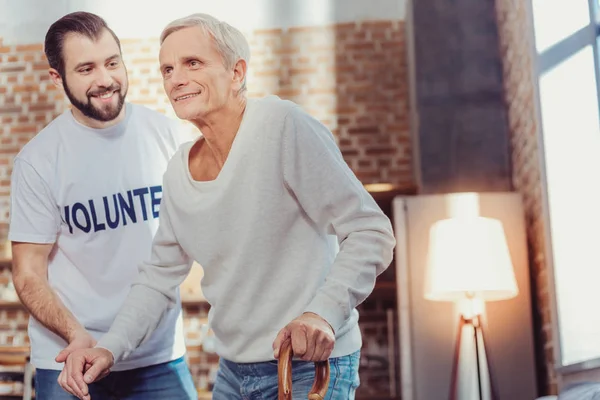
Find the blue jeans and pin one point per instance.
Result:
(258, 381)
(171, 380)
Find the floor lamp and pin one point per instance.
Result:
(469, 261)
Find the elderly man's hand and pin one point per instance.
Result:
(311, 336)
(95, 363)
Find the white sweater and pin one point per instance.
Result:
(285, 228)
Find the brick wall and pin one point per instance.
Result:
(351, 76)
(517, 54)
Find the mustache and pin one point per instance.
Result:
(97, 92)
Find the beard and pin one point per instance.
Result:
(107, 112)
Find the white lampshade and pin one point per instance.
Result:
(469, 255)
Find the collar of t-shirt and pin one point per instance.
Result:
(110, 132)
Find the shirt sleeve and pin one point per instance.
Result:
(336, 201)
(155, 290)
(34, 214)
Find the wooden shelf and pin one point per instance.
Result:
(387, 191)
(6, 349)
(12, 396)
(203, 395)
(192, 301)
(5, 262)
(10, 304)
(385, 285)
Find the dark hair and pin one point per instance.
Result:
(80, 22)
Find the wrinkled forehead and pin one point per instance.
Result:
(188, 42)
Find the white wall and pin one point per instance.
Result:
(26, 21)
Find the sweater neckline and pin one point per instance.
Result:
(231, 157)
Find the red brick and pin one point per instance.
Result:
(41, 107)
(25, 88)
(359, 46)
(23, 129)
(269, 32)
(13, 68)
(364, 130)
(378, 151)
(147, 60)
(346, 27)
(10, 109)
(286, 51)
(346, 109)
(378, 35)
(30, 47)
(40, 65)
(267, 72)
(377, 25)
(9, 150)
(288, 92)
(147, 101)
(303, 71)
(326, 47)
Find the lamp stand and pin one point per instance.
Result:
(477, 323)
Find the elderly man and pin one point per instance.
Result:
(289, 239)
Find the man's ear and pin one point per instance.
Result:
(56, 78)
(239, 73)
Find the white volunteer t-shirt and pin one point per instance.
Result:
(96, 194)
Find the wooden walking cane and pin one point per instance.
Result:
(284, 375)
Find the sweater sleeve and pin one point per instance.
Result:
(334, 199)
(152, 294)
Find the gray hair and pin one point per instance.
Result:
(231, 43)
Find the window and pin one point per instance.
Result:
(567, 45)
(555, 20)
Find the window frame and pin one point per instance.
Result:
(543, 62)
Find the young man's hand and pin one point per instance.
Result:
(79, 340)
